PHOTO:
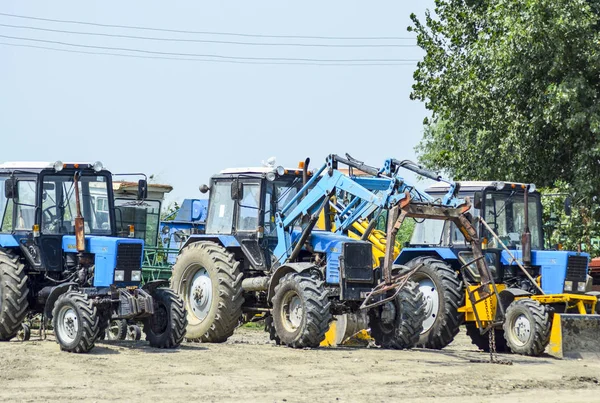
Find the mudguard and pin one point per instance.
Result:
(282, 271)
(53, 296)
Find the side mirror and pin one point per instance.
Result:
(142, 192)
(204, 188)
(236, 190)
(477, 200)
(10, 188)
(568, 209)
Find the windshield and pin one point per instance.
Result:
(428, 232)
(505, 214)
(144, 215)
(59, 208)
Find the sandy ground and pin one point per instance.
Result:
(249, 368)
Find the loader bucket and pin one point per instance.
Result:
(347, 329)
(575, 336)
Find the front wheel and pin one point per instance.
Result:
(398, 323)
(527, 327)
(209, 280)
(75, 322)
(166, 328)
(301, 311)
(443, 293)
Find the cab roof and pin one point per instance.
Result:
(253, 170)
(36, 166)
(469, 186)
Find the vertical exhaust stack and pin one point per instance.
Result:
(79, 223)
(526, 236)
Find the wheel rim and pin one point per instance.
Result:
(292, 311)
(68, 324)
(521, 329)
(200, 294)
(432, 302)
(113, 330)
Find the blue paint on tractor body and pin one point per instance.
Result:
(104, 250)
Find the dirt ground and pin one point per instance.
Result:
(249, 368)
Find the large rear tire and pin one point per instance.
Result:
(301, 311)
(13, 295)
(527, 327)
(398, 323)
(208, 279)
(482, 341)
(75, 322)
(443, 292)
(166, 328)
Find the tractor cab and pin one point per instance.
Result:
(519, 229)
(242, 207)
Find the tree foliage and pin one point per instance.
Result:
(513, 89)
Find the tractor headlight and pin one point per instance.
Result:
(271, 176)
(280, 170)
(568, 286)
(136, 275)
(58, 166)
(581, 286)
(500, 185)
(119, 275)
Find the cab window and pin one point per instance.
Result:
(6, 210)
(221, 208)
(248, 207)
(25, 205)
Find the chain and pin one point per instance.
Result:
(492, 337)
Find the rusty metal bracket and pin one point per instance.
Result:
(396, 284)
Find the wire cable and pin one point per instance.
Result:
(208, 55)
(201, 60)
(151, 38)
(206, 32)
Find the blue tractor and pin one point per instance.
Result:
(543, 295)
(62, 256)
(261, 254)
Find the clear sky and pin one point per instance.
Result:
(183, 121)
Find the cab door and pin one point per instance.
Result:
(248, 228)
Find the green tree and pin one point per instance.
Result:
(512, 86)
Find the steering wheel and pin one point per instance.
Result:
(49, 219)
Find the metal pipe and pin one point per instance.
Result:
(526, 236)
(255, 283)
(79, 223)
(361, 166)
(305, 171)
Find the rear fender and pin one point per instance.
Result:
(53, 296)
(408, 254)
(227, 241)
(282, 271)
(151, 286)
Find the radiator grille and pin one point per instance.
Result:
(358, 261)
(577, 268)
(129, 256)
